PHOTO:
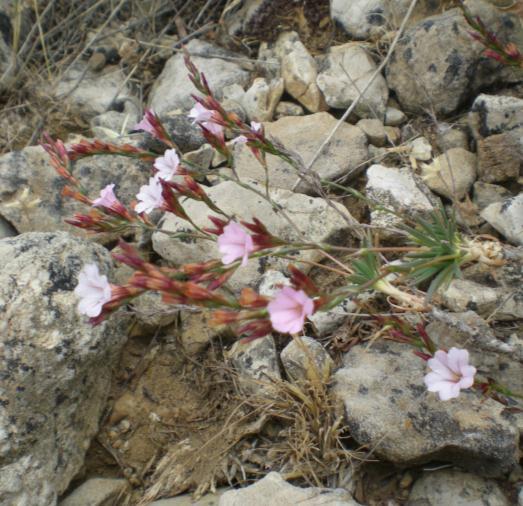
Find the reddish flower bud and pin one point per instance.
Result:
(251, 299)
(302, 282)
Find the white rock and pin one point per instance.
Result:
(495, 114)
(507, 218)
(446, 487)
(345, 72)
(451, 174)
(421, 149)
(261, 99)
(56, 367)
(326, 322)
(173, 89)
(275, 491)
(299, 72)
(95, 492)
(345, 155)
(312, 216)
(394, 117)
(399, 190)
(272, 282)
(257, 364)
(305, 358)
(90, 93)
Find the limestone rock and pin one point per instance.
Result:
(256, 363)
(420, 149)
(398, 189)
(394, 117)
(345, 155)
(305, 358)
(374, 130)
(448, 486)
(261, 99)
(486, 194)
(285, 108)
(427, 74)
(90, 93)
(507, 218)
(150, 310)
(452, 173)
(389, 409)
(344, 73)
(500, 156)
(275, 491)
(448, 137)
(30, 189)
(495, 114)
(95, 492)
(299, 72)
(317, 221)
(173, 89)
(326, 322)
(56, 367)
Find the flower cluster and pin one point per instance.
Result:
(174, 179)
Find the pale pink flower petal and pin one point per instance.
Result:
(167, 165)
(288, 310)
(214, 128)
(233, 243)
(149, 196)
(256, 127)
(107, 197)
(93, 290)
(450, 373)
(241, 139)
(199, 113)
(145, 124)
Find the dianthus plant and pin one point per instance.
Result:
(435, 250)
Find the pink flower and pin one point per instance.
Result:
(289, 309)
(167, 165)
(234, 242)
(199, 113)
(450, 373)
(93, 290)
(215, 128)
(256, 127)
(107, 198)
(145, 124)
(150, 196)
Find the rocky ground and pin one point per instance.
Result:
(154, 405)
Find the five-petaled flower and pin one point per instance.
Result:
(150, 196)
(93, 290)
(107, 198)
(289, 309)
(451, 373)
(167, 165)
(234, 242)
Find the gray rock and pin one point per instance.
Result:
(451, 174)
(394, 117)
(305, 358)
(6, 229)
(317, 221)
(446, 487)
(194, 331)
(507, 218)
(187, 500)
(271, 282)
(373, 18)
(374, 130)
(30, 189)
(261, 99)
(326, 322)
(284, 109)
(56, 367)
(344, 72)
(493, 114)
(256, 363)
(400, 190)
(150, 310)
(89, 93)
(275, 491)
(188, 137)
(95, 492)
(345, 155)
(173, 89)
(500, 156)
(448, 137)
(427, 74)
(119, 122)
(389, 409)
(486, 194)
(420, 149)
(299, 72)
